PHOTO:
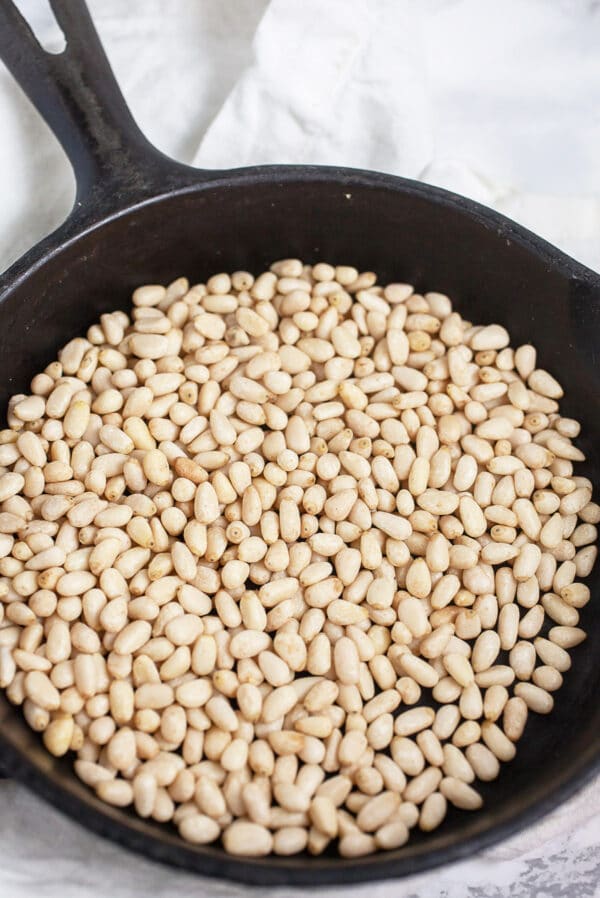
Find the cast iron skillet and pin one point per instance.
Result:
(140, 217)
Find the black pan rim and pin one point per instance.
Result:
(292, 871)
(83, 220)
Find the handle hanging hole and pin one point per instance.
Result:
(42, 22)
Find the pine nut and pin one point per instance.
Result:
(377, 811)
(497, 742)
(460, 794)
(433, 812)
(58, 735)
(410, 722)
(536, 698)
(247, 839)
(483, 761)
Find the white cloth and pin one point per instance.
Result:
(498, 101)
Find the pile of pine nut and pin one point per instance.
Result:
(288, 560)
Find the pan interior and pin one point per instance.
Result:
(492, 274)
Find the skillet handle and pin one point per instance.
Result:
(77, 94)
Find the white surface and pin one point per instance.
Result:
(496, 100)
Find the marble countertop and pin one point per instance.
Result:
(499, 101)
